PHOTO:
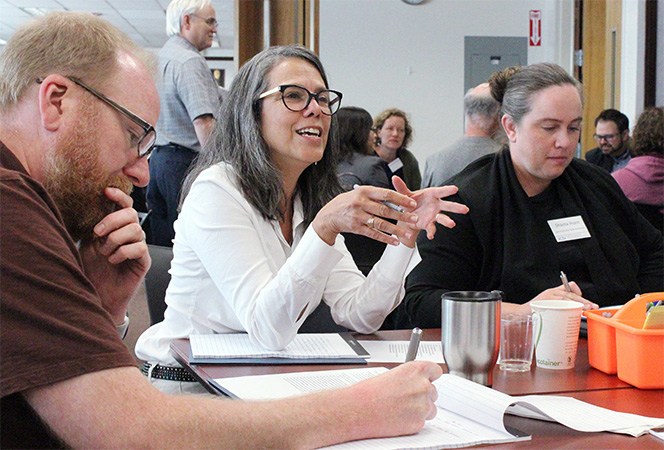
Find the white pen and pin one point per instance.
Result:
(563, 278)
(414, 344)
(385, 202)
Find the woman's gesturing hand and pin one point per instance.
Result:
(430, 206)
(364, 211)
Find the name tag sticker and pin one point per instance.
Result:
(569, 229)
(395, 165)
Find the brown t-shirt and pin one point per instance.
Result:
(52, 324)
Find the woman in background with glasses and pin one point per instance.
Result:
(257, 245)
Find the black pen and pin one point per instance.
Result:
(414, 344)
(563, 278)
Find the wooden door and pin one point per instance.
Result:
(290, 22)
(600, 74)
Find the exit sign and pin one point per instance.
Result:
(535, 28)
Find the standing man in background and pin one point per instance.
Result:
(612, 137)
(481, 124)
(189, 99)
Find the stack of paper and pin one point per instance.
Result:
(305, 348)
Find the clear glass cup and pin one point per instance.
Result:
(516, 342)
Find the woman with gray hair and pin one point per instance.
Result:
(257, 245)
(535, 211)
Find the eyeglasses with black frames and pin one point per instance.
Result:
(145, 142)
(606, 137)
(296, 98)
(211, 21)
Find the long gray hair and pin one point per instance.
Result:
(237, 140)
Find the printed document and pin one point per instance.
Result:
(276, 386)
(395, 351)
(303, 346)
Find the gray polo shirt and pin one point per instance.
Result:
(187, 90)
(455, 157)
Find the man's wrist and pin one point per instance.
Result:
(123, 327)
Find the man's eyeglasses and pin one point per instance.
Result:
(296, 98)
(606, 137)
(211, 21)
(144, 143)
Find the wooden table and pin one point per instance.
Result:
(583, 383)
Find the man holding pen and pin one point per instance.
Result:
(77, 110)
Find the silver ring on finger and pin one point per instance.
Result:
(370, 222)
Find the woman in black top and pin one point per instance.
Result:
(534, 211)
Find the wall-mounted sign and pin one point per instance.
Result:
(535, 28)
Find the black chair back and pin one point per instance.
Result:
(156, 281)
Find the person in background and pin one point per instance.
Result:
(535, 211)
(358, 164)
(481, 124)
(642, 180)
(77, 104)
(190, 99)
(394, 134)
(257, 245)
(612, 136)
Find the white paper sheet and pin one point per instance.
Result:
(582, 416)
(395, 351)
(658, 434)
(275, 386)
(238, 345)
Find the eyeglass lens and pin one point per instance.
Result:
(146, 144)
(211, 21)
(607, 137)
(297, 99)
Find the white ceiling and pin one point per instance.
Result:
(143, 20)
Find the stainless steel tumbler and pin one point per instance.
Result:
(470, 333)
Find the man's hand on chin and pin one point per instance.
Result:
(117, 258)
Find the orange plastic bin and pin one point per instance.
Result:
(619, 344)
